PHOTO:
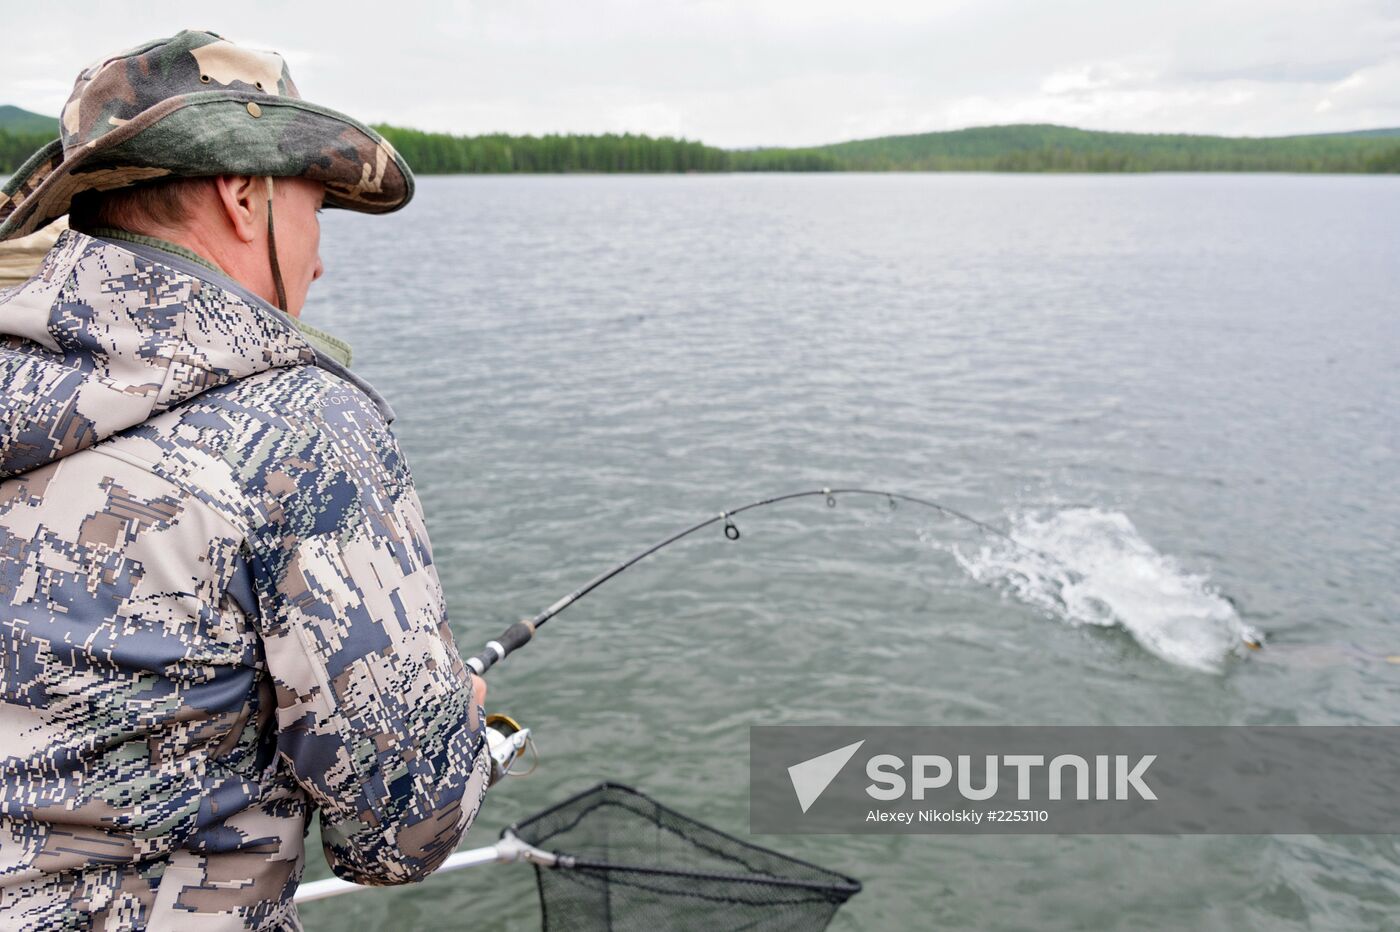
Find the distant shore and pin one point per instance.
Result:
(1017, 148)
(1031, 148)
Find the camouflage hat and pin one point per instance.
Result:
(196, 105)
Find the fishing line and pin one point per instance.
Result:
(521, 632)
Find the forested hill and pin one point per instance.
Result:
(1045, 147)
(15, 120)
(21, 135)
(1019, 148)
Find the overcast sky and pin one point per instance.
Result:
(776, 72)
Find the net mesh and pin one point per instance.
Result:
(638, 865)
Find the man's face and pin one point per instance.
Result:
(295, 205)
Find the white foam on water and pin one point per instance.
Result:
(1090, 566)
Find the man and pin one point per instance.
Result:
(220, 609)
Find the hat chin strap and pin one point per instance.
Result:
(272, 252)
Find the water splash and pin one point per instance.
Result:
(1090, 566)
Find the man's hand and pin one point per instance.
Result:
(479, 690)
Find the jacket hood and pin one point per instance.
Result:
(106, 336)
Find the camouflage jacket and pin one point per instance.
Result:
(220, 611)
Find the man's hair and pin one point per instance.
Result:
(142, 208)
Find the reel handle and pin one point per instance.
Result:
(511, 639)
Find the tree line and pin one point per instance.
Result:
(16, 148)
(1026, 148)
(440, 153)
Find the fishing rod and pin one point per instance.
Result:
(520, 633)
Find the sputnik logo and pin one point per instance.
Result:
(811, 777)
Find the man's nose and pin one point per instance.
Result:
(319, 270)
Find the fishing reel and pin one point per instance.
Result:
(507, 741)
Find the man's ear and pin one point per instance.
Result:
(243, 200)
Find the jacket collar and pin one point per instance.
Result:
(320, 340)
(327, 356)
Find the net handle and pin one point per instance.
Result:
(509, 850)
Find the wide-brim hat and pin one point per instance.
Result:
(197, 105)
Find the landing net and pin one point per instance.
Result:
(625, 862)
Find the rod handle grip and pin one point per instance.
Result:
(511, 639)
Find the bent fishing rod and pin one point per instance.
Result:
(520, 633)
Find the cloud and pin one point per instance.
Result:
(1370, 95)
(1095, 77)
(755, 72)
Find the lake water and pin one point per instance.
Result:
(1186, 387)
